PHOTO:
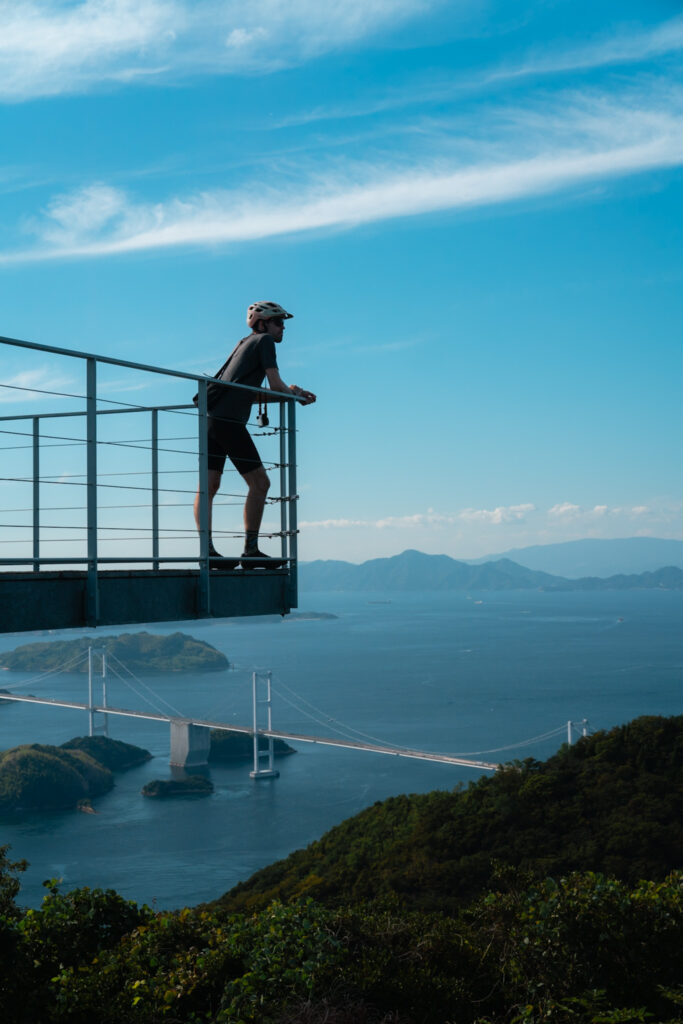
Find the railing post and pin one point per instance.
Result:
(204, 596)
(291, 458)
(284, 513)
(92, 595)
(36, 493)
(155, 489)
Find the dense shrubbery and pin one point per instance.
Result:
(526, 946)
(578, 950)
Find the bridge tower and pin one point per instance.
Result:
(262, 720)
(93, 727)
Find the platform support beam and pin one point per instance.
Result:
(262, 717)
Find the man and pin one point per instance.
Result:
(252, 359)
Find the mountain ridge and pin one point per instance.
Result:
(414, 570)
(591, 556)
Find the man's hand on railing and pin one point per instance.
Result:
(305, 397)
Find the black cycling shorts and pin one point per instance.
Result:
(231, 440)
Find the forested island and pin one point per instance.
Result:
(550, 893)
(143, 653)
(39, 776)
(192, 786)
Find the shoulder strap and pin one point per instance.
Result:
(222, 370)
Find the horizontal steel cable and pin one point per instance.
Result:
(397, 746)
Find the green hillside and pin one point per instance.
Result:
(612, 803)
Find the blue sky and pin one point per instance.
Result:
(473, 209)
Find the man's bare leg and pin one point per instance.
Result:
(258, 483)
(214, 483)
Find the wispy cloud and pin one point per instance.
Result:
(35, 385)
(48, 47)
(621, 47)
(529, 152)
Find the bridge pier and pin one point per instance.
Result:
(190, 744)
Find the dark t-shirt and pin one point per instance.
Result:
(247, 364)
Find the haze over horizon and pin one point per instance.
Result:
(474, 212)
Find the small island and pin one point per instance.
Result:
(39, 777)
(228, 747)
(192, 786)
(143, 653)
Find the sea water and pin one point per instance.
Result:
(473, 674)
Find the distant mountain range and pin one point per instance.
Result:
(589, 557)
(414, 570)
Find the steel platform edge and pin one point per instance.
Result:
(32, 601)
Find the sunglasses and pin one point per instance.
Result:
(277, 321)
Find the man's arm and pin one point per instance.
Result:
(276, 383)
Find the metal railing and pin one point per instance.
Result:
(162, 545)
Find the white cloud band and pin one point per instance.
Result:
(536, 152)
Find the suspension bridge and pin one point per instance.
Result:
(190, 735)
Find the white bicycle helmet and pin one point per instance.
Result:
(266, 311)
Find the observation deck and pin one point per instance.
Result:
(96, 520)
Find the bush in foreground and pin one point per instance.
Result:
(579, 950)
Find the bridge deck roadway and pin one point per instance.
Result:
(419, 755)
